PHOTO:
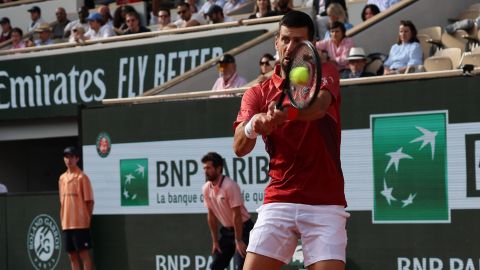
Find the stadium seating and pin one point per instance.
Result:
(437, 63)
(471, 59)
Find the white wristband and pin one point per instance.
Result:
(249, 132)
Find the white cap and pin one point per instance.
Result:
(356, 53)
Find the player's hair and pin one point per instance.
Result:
(298, 19)
(215, 158)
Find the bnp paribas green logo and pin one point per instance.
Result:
(410, 168)
(134, 182)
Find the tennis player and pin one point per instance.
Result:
(305, 198)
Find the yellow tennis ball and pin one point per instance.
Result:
(299, 75)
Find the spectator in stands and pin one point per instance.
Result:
(282, 7)
(228, 74)
(188, 19)
(406, 52)
(82, 21)
(44, 35)
(230, 5)
(320, 7)
(357, 60)
(336, 13)
(134, 25)
(78, 35)
(6, 29)
(369, 11)
(338, 46)
(164, 18)
(262, 9)
(215, 15)
(119, 23)
(58, 27)
(17, 39)
(36, 16)
(105, 12)
(98, 30)
(194, 6)
(382, 4)
(267, 63)
(209, 3)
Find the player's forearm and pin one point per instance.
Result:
(241, 144)
(318, 109)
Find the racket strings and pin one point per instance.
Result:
(302, 94)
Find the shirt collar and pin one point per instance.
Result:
(277, 78)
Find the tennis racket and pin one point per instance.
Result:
(303, 76)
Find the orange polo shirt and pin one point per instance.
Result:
(75, 191)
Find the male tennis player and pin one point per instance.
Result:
(305, 197)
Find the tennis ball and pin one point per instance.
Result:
(299, 75)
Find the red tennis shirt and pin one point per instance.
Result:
(304, 155)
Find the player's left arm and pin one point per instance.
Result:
(240, 246)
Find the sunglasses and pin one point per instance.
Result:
(181, 12)
(264, 63)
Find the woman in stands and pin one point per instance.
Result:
(369, 11)
(336, 13)
(17, 40)
(406, 52)
(267, 62)
(337, 47)
(262, 9)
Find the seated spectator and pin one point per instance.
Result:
(228, 74)
(98, 30)
(194, 6)
(382, 4)
(282, 7)
(215, 15)
(36, 16)
(133, 23)
(230, 5)
(105, 12)
(267, 63)
(407, 52)
(336, 13)
(338, 46)
(357, 60)
(187, 19)
(58, 27)
(6, 29)
(17, 39)
(209, 3)
(119, 23)
(369, 11)
(262, 9)
(82, 21)
(78, 35)
(164, 18)
(44, 35)
(320, 8)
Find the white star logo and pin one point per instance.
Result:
(125, 193)
(387, 192)
(409, 200)
(141, 170)
(428, 137)
(128, 178)
(395, 158)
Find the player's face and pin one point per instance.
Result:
(211, 173)
(70, 161)
(287, 39)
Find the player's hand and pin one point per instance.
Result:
(277, 116)
(263, 124)
(241, 248)
(216, 247)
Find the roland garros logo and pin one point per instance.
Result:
(44, 243)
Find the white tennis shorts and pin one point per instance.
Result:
(320, 227)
